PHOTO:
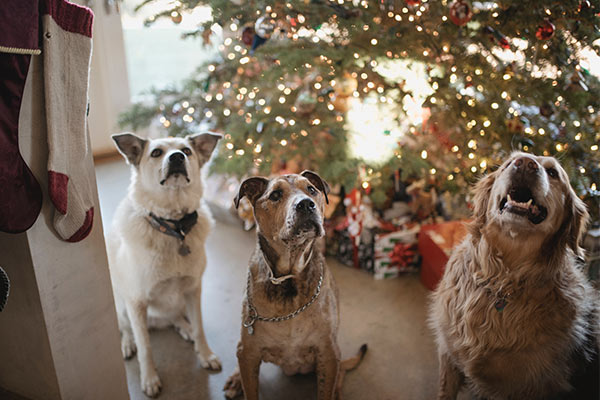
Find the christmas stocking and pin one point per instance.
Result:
(67, 45)
(20, 193)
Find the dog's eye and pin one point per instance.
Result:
(552, 173)
(187, 151)
(156, 153)
(312, 190)
(275, 195)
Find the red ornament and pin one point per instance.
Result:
(460, 12)
(176, 17)
(412, 3)
(584, 6)
(545, 31)
(248, 35)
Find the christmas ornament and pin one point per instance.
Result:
(460, 12)
(525, 143)
(584, 6)
(510, 69)
(306, 102)
(176, 17)
(497, 37)
(412, 3)
(248, 35)
(515, 125)
(346, 86)
(340, 103)
(265, 26)
(578, 83)
(546, 110)
(423, 201)
(545, 31)
(206, 34)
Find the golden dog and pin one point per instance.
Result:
(514, 316)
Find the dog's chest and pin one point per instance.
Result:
(501, 322)
(494, 342)
(293, 347)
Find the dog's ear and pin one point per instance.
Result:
(481, 197)
(319, 182)
(205, 143)
(571, 230)
(252, 188)
(131, 146)
(575, 220)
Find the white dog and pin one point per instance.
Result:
(156, 247)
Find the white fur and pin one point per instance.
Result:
(153, 285)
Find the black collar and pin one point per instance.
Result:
(177, 228)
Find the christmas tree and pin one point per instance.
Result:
(357, 90)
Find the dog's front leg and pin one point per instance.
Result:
(249, 360)
(328, 369)
(451, 379)
(137, 312)
(194, 313)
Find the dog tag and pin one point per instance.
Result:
(184, 250)
(500, 304)
(250, 330)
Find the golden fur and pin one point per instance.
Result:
(526, 350)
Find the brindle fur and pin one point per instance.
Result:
(307, 342)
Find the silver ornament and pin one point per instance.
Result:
(265, 26)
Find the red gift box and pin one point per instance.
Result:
(436, 242)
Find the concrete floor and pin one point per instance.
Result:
(389, 315)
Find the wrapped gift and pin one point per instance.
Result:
(357, 254)
(435, 244)
(396, 252)
(402, 258)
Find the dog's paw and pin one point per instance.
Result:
(151, 385)
(233, 386)
(184, 329)
(128, 347)
(211, 362)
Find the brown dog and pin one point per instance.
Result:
(514, 316)
(290, 314)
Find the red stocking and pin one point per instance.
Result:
(20, 193)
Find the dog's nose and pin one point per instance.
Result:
(177, 157)
(306, 206)
(526, 165)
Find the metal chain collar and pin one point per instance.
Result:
(253, 315)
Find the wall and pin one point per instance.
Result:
(109, 86)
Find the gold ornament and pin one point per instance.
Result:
(346, 86)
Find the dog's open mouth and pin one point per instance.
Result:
(176, 171)
(519, 200)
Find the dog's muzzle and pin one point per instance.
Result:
(176, 166)
(519, 199)
(307, 217)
